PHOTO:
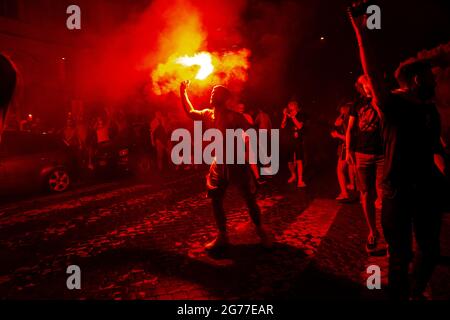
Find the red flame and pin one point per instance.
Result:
(203, 60)
(230, 68)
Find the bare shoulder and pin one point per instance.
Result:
(207, 113)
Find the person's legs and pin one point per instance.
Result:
(248, 189)
(221, 240)
(342, 179)
(299, 157)
(352, 177)
(300, 181)
(255, 171)
(216, 183)
(365, 165)
(379, 163)
(219, 214)
(253, 208)
(427, 223)
(396, 222)
(292, 162)
(292, 170)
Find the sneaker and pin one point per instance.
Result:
(266, 237)
(292, 179)
(301, 184)
(218, 244)
(343, 198)
(261, 181)
(372, 243)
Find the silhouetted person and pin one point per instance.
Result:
(294, 123)
(344, 170)
(411, 131)
(364, 145)
(159, 139)
(220, 116)
(8, 80)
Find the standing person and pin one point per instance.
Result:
(102, 132)
(221, 175)
(69, 134)
(159, 139)
(242, 109)
(344, 169)
(364, 144)
(8, 80)
(293, 122)
(101, 139)
(411, 130)
(262, 120)
(82, 130)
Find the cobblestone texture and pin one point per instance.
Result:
(145, 241)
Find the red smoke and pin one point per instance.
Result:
(130, 60)
(134, 60)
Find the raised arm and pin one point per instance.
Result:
(348, 140)
(284, 122)
(368, 61)
(187, 105)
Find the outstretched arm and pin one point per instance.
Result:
(348, 140)
(285, 116)
(368, 61)
(187, 105)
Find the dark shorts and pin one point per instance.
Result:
(295, 150)
(221, 176)
(370, 172)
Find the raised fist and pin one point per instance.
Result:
(357, 13)
(184, 85)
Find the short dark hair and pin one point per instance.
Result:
(8, 79)
(222, 95)
(406, 72)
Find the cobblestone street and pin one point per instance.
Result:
(145, 240)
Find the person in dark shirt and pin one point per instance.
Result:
(293, 123)
(365, 150)
(159, 139)
(220, 116)
(411, 131)
(8, 79)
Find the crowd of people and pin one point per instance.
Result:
(390, 151)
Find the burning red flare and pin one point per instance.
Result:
(207, 68)
(203, 60)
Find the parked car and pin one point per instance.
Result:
(120, 158)
(29, 161)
